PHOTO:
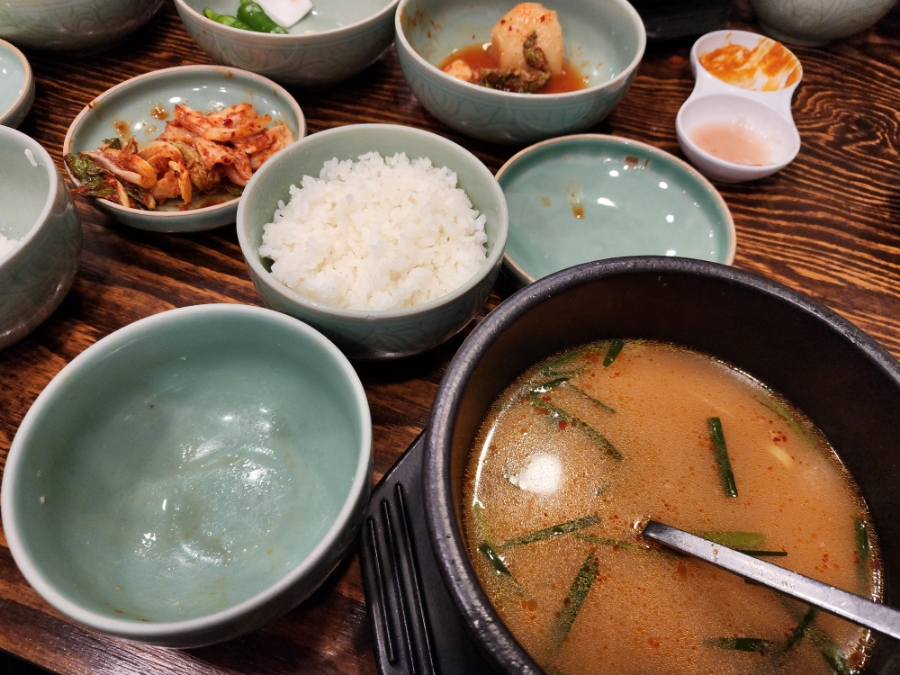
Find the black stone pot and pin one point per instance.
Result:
(839, 376)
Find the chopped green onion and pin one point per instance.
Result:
(825, 644)
(578, 591)
(721, 452)
(734, 538)
(780, 654)
(779, 409)
(761, 554)
(552, 531)
(482, 529)
(547, 386)
(613, 352)
(756, 645)
(551, 369)
(612, 543)
(494, 559)
(590, 398)
(569, 418)
(863, 552)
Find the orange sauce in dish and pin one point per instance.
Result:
(768, 66)
(480, 56)
(731, 142)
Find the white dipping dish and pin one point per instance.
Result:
(765, 113)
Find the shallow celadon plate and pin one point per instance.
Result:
(190, 476)
(141, 106)
(16, 85)
(588, 197)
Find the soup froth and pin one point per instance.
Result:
(584, 448)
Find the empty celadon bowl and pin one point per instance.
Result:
(80, 26)
(40, 236)
(140, 108)
(603, 39)
(591, 197)
(191, 476)
(817, 22)
(365, 333)
(16, 85)
(737, 125)
(336, 40)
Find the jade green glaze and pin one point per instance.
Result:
(374, 334)
(38, 212)
(190, 476)
(605, 39)
(336, 40)
(80, 26)
(16, 85)
(589, 197)
(141, 106)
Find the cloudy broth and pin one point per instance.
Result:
(577, 455)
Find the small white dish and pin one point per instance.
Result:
(737, 125)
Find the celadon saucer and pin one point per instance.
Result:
(587, 197)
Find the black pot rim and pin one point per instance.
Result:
(482, 620)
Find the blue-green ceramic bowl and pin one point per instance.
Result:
(81, 26)
(141, 106)
(336, 40)
(190, 476)
(374, 334)
(605, 39)
(589, 197)
(38, 213)
(16, 85)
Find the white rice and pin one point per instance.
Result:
(377, 234)
(6, 245)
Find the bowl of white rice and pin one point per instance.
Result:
(386, 238)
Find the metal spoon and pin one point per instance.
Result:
(847, 605)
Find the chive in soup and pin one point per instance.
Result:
(586, 447)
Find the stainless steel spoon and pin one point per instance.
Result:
(852, 607)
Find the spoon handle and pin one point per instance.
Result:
(852, 607)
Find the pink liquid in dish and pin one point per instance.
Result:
(732, 142)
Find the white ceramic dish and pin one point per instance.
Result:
(757, 104)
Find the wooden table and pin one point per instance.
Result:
(827, 225)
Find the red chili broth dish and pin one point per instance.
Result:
(481, 56)
(583, 449)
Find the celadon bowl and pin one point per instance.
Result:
(38, 213)
(190, 476)
(140, 107)
(81, 26)
(366, 334)
(590, 197)
(335, 41)
(604, 39)
(16, 85)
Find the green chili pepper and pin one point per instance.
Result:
(225, 19)
(255, 16)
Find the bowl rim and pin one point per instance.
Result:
(164, 74)
(621, 78)
(624, 142)
(52, 191)
(27, 83)
(493, 258)
(452, 559)
(148, 631)
(320, 36)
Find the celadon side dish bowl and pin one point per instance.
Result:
(374, 334)
(587, 197)
(140, 107)
(39, 214)
(335, 41)
(841, 378)
(81, 26)
(16, 85)
(604, 39)
(190, 476)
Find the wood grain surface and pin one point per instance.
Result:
(827, 225)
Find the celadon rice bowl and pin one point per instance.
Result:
(377, 234)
